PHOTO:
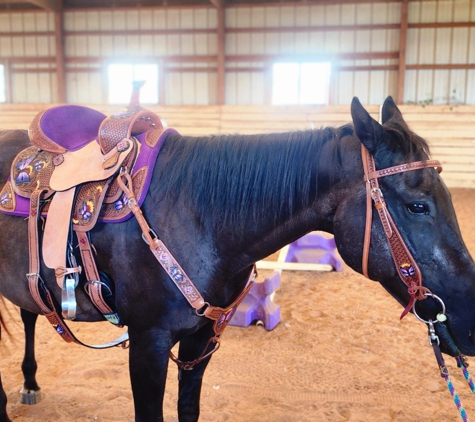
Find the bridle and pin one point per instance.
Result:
(407, 267)
(405, 264)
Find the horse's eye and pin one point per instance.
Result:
(418, 208)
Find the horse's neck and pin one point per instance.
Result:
(262, 200)
(316, 215)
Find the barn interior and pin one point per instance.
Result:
(249, 67)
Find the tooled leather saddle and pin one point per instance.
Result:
(70, 177)
(84, 168)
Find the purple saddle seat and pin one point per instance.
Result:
(71, 126)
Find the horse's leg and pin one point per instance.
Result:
(3, 405)
(31, 392)
(190, 381)
(148, 362)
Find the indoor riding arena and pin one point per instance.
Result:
(314, 340)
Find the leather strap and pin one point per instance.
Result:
(55, 238)
(220, 316)
(159, 250)
(90, 268)
(33, 276)
(406, 266)
(417, 165)
(38, 288)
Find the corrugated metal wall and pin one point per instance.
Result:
(132, 36)
(29, 55)
(325, 32)
(361, 41)
(440, 46)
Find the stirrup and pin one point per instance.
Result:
(68, 299)
(68, 294)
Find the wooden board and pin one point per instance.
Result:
(449, 130)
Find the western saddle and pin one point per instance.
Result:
(70, 175)
(83, 168)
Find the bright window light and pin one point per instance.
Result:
(3, 92)
(121, 77)
(301, 83)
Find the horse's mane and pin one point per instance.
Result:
(231, 178)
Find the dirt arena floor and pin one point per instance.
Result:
(339, 353)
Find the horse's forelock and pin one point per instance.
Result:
(403, 140)
(413, 148)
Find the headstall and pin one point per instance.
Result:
(405, 264)
(407, 267)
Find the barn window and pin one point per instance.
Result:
(121, 77)
(3, 91)
(301, 83)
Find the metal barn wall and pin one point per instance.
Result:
(28, 55)
(93, 37)
(324, 32)
(440, 47)
(361, 40)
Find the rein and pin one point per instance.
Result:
(407, 267)
(434, 341)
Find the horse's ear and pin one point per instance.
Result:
(368, 130)
(390, 110)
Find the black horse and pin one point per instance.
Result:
(220, 204)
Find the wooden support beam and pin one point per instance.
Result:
(442, 25)
(401, 73)
(221, 50)
(8, 80)
(312, 28)
(163, 74)
(370, 55)
(50, 5)
(60, 60)
(153, 31)
(284, 3)
(292, 266)
(446, 66)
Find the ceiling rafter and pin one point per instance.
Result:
(49, 5)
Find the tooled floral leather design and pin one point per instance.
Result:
(119, 209)
(7, 198)
(30, 170)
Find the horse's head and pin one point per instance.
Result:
(421, 208)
